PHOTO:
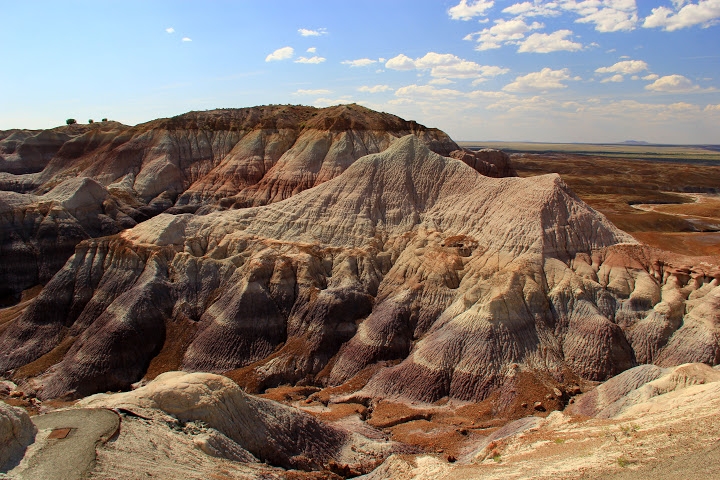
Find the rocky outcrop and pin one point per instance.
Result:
(274, 433)
(61, 186)
(465, 283)
(38, 233)
(16, 433)
(640, 385)
(488, 162)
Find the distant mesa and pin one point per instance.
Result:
(635, 142)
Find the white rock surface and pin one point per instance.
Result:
(16, 432)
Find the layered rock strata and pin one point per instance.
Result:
(464, 283)
(208, 160)
(264, 430)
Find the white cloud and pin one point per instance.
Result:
(712, 108)
(486, 94)
(400, 62)
(326, 102)
(627, 67)
(530, 9)
(467, 69)
(280, 54)
(187, 39)
(545, 79)
(549, 42)
(447, 81)
(704, 13)
(312, 92)
(426, 91)
(314, 60)
(525, 105)
(432, 59)
(170, 30)
(672, 84)
(614, 79)
(311, 50)
(652, 76)
(504, 31)
(607, 15)
(375, 89)
(360, 62)
(467, 10)
(445, 65)
(305, 32)
(635, 77)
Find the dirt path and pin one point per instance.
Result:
(64, 447)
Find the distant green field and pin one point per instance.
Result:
(665, 152)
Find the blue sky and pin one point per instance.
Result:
(563, 70)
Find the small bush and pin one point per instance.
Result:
(104, 120)
(71, 121)
(91, 121)
(623, 462)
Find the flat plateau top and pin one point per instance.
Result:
(639, 151)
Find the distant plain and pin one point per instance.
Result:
(667, 196)
(693, 153)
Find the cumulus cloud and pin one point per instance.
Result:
(447, 81)
(545, 79)
(549, 42)
(614, 79)
(445, 65)
(360, 62)
(712, 108)
(426, 91)
(326, 102)
(533, 9)
(503, 32)
(311, 50)
(375, 89)
(400, 62)
(314, 60)
(627, 67)
(320, 91)
(684, 15)
(170, 30)
(486, 94)
(280, 54)
(187, 39)
(652, 76)
(467, 10)
(607, 15)
(305, 32)
(672, 84)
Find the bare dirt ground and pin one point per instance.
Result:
(679, 221)
(673, 436)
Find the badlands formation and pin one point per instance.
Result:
(328, 258)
